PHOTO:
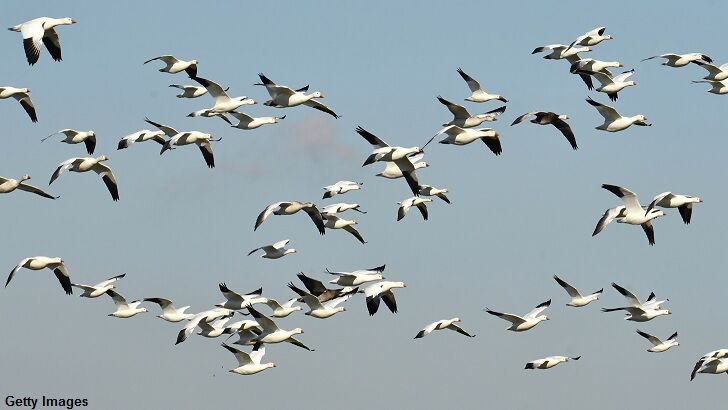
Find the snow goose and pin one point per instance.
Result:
(234, 300)
(141, 136)
(174, 65)
(94, 291)
(317, 288)
(577, 300)
(560, 51)
(334, 222)
(659, 346)
(339, 208)
(636, 311)
(382, 291)
(716, 87)
(39, 32)
(464, 136)
(22, 95)
(613, 121)
(90, 164)
(440, 325)
(714, 73)
(592, 37)
(586, 66)
(419, 203)
(212, 330)
(681, 60)
(341, 187)
(549, 362)
(316, 308)
(124, 309)
(713, 366)
(631, 213)
(550, 118)
(43, 262)
(399, 156)
(246, 122)
(201, 139)
(271, 332)
(523, 323)
(189, 91)
(611, 85)
(290, 208)
(274, 251)
(392, 171)
(428, 190)
(249, 363)
(683, 203)
(715, 354)
(477, 93)
(284, 97)
(169, 312)
(284, 309)
(77, 137)
(357, 277)
(208, 315)
(8, 185)
(208, 113)
(223, 102)
(462, 118)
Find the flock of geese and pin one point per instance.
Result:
(323, 301)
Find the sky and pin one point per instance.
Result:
(515, 220)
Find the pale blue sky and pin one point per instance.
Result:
(515, 221)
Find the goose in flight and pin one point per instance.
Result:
(249, 363)
(246, 122)
(419, 203)
(22, 95)
(382, 291)
(613, 121)
(39, 32)
(357, 277)
(715, 73)
(212, 329)
(715, 354)
(234, 300)
(716, 87)
(462, 118)
(90, 164)
(592, 37)
(550, 118)
(283, 97)
(399, 156)
(274, 251)
(284, 309)
(611, 85)
(683, 203)
(631, 213)
(94, 291)
(577, 300)
(341, 187)
(317, 288)
(392, 171)
(334, 222)
(77, 137)
(339, 208)
(290, 208)
(440, 325)
(141, 136)
(523, 323)
(560, 51)
(464, 136)
(174, 65)
(477, 93)
(586, 66)
(8, 185)
(318, 309)
(681, 60)
(43, 262)
(271, 332)
(713, 366)
(637, 311)
(189, 91)
(169, 312)
(658, 345)
(549, 362)
(208, 315)
(124, 309)
(428, 190)
(202, 140)
(223, 102)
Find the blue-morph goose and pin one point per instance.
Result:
(77, 137)
(441, 325)
(284, 97)
(90, 164)
(94, 291)
(318, 289)
(174, 65)
(39, 32)
(42, 262)
(22, 95)
(8, 185)
(290, 208)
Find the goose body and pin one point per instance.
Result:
(249, 363)
(274, 251)
(716, 87)
(124, 309)
(208, 315)
(683, 203)
(550, 118)
(560, 51)
(94, 291)
(318, 309)
(173, 65)
(715, 354)
(382, 291)
(392, 170)
(441, 325)
(8, 185)
(523, 323)
(681, 60)
(334, 222)
(22, 95)
(477, 93)
(90, 164)
(592, 37)
(659, 346)
(462, 118)
(284, 97)
(577, 300)
(223, 102)
(428, 190)
(464, 136)
(290, 208)
(631, 213)
(340, 207)
(341, 187)
(271, 332)
(613, 121)
(549, 362)
(246, 122)
(169, 312)
(141, 136)
(77, 137)
(357, 277)
(39, 32)
(419, 203)
(235, 300)
(715, 73)
(636, 310)
(611, 85)
(189, 91)
(43, 262)
(284, 309)
(176, 138)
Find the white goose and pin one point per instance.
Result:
(577, 300)
(341, 187)
(90, 164)
(613, 121)
(334, 222)
(223, 102)
(586, 66)
(316, 308)
(392, 171)
(39, 32)
(477, 93)
(8, 185)
(249, 363)
(715, 354)
(440, 325)
(290, 208)
(592, 37)
(284, 309)
(271, 332)
(549, 362)
(382, 291)
(124, 309)
(77, 137)
(357, 277)
(141, 136)
(560, 51)
(659, 346)
(716, 87)
(174, 65)
(283, 97)
(713, 366)
(22, 95)
(428, 190)
(683, 203)
(551, 118)
(169, 312)
(631, 213)
(246, 122)
(419, 203)
(340, 207)
(715, 73)
(681, 60)
(274, 251)
(611, 85)
(464, 136)
(202, 140)
(94, 291)
(523, 323)
(189, 91)
(463, 118)
(212, 330)
(234, 300)
(43, 262)
(208, 315)
(636, 311)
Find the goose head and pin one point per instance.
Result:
(608, 37)
(316, 94)
(297, 331)
(455, 320)
(289, 251)
(102, 158)
(66, 21)
(421, 164)
(269, 365)
(655, 213)
(563, 117)
(25, 177)
(641, 120)
(542, 318)
(193, 62)
(246, 101)
(276, 119)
